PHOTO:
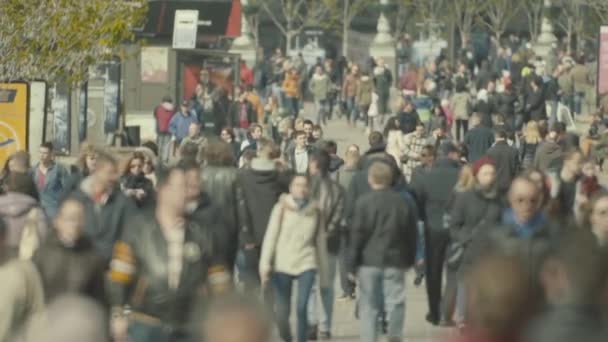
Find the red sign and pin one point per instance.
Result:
(602, 63)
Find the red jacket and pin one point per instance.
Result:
(246, 76)
(163, 114)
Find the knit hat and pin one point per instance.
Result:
(485, 160)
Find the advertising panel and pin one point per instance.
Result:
(14, 118)
(602, 63)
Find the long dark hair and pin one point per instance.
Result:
(391, 125)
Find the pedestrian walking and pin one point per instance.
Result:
(51, 179)
(163, 114)
(383, 247)
(292, 251)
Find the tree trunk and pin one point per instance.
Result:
(345, 28)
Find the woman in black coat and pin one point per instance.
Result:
(535, 106)
(134, 183)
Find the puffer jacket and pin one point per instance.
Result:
(364, 91)
(319, 86)
(290, 85)
(17, 209)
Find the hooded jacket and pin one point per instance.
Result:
(319, 86)
(16, 209)
(163, 115)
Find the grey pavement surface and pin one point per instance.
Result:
(345, 326)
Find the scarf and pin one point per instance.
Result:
(527, 229)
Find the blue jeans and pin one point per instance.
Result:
(381, 288)
(141, 332)
(553, 113)
(321, 108)
(351, 110)
(293, 105)
(282, 285)
(163, 141)
(327, 300)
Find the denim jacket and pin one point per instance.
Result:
(56, 184)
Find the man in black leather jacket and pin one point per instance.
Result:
(161, 267)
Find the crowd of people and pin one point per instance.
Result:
(247, 196)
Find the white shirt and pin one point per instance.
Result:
(175, 251)
(301, 159)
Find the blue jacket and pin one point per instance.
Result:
(57, 179)
(179, 125)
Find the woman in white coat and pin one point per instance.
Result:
(293, 250)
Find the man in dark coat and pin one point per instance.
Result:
(359, 184)
(259, 189)
(106, 208)
(383, 248)
(478, 139)
(433, 192)
(506, 159)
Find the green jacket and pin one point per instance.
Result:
(319, 86)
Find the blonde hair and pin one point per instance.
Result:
(532, 133)
(352, 158)
(466, 179)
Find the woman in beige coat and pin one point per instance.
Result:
(293, 250)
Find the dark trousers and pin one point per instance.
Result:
(436, 243)
(461, 125)
(248, 262)
(348, 288)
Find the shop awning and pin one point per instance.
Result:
(221, 17)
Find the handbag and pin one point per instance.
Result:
(456, 249)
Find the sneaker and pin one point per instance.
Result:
(344, 297)
(324, 335)
(418, 280)
(312, 333)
